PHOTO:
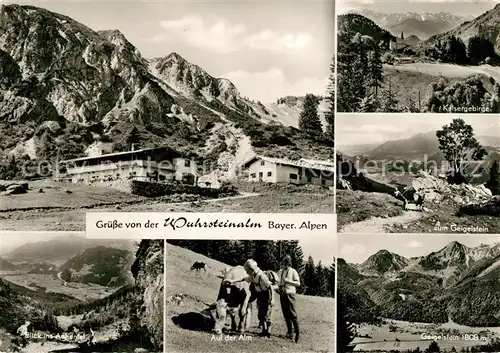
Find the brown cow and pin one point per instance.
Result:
(233, 299)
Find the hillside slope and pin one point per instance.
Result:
(351, 24)
(487, 26)
(61, 247)
(457, 283)
(65, 87)
(187, 290)
(100, 265)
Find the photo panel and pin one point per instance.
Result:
(205, 106)
(62, 292)
(427, 173)
(284, 307)
(418, 56)
(418, 293)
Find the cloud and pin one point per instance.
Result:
(269, 40)
(267, 86)
(220, 37)
(414, 244)
(351, 249)
(223, 37)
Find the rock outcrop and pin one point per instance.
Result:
(148, 271)
(438, 190)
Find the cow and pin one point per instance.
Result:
(420, 201)
(410, 195)
(232, 299)
(199, 266)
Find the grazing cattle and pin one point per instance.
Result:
(232, 299)
(199, 266)
(410, 195)
(420, 201)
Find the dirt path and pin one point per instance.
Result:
(449, 70)
(380, 225)
(39, 347)
(243, 195)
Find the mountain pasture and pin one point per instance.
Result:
(58, 211)
(403, 335)
(186, 291)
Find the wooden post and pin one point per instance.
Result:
(419, 102)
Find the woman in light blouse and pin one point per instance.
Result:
(289, 281)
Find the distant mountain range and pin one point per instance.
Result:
(421, 25)
(414, 147)
(66, 87)
(140, 303)
(457, 283)
(103, 262)
(61, 248)
(487, 26)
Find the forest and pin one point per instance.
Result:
(317, 279)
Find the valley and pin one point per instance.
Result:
(431, 62)
(56, 211)
(367, 199)
(67, 282)
(108, 100)
(449, 295)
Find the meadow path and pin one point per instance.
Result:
(381, 225)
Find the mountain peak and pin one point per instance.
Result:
(174, 55)
(454, 246)
(384, 261)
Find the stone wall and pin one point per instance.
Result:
(149, 189)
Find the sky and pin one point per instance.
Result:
(11, 240)
(356, 248)
(455, 7)
(321, 248)
(269, 49)
(360, 129)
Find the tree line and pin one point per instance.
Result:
(362, 86)
(317, 279)
(478, 50)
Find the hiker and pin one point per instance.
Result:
(260, 289)
(22, 331)
(419, 199)
(289, 281)
(76, 332)
(91, 337)
(263, 292)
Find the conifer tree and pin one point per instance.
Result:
(330, 114)
(388, 102)
(331, 279)
(309, 121)
(345, 329)
(309, 276)
(494, 182)
(375, 73)
(321, 280)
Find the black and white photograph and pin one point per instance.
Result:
(418, 56)
(61, 292)
(164, 106)
(250, 295)
(418, 293)
(404, 173)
